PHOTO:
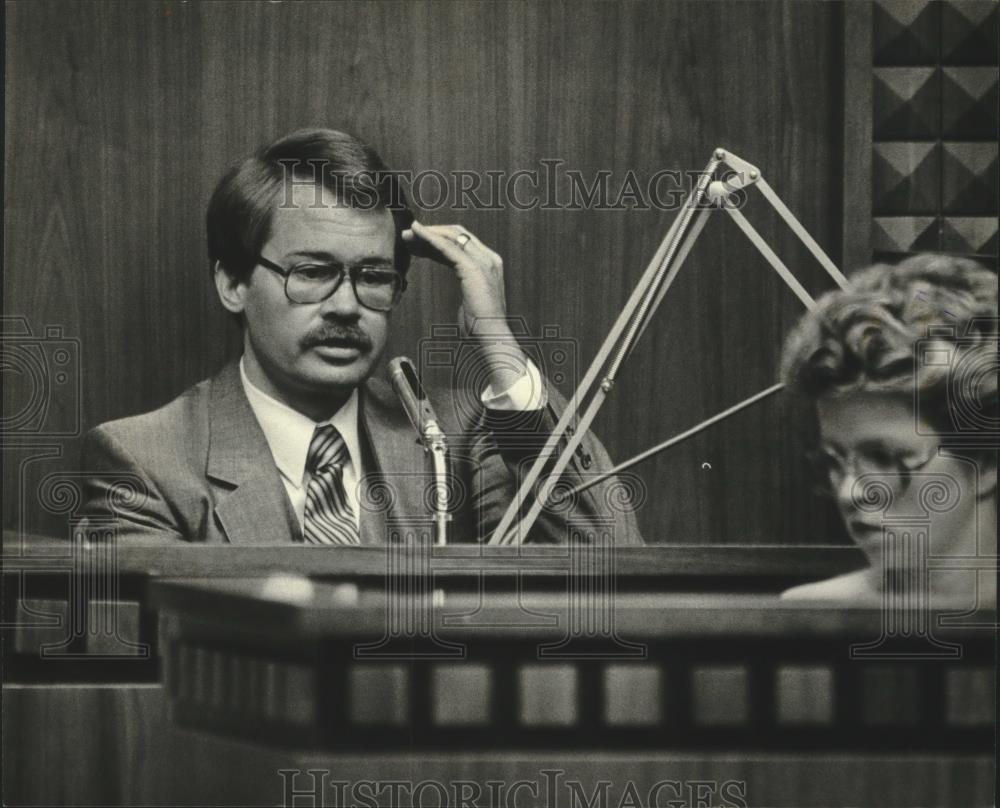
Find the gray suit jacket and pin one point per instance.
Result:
(200, 469)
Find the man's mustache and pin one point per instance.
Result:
(345, 335)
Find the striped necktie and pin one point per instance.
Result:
(328, 515)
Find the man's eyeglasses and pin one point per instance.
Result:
(376, 287)
(830, 467)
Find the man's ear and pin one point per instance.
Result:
(231, 290)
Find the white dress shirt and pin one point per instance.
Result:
(289, 432)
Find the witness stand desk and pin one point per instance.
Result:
(667, 675)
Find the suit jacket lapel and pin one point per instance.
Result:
(257, 509)
(398, 463)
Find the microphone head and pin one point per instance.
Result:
(402, 372)
(409, 391)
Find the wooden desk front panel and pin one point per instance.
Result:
(116, 745)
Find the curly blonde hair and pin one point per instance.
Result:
(878, 336)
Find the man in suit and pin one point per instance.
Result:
(309, 241)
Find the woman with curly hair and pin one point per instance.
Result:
(902, 368)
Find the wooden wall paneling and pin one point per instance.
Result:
(857, 209)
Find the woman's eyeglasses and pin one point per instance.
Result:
(830, 466)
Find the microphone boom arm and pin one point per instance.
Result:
(635, 318)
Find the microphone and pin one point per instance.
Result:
(409, 391)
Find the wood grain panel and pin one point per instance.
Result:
(116, 746)
(121, 116)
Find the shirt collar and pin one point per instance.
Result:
(289, 432)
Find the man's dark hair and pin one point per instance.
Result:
(243, 203)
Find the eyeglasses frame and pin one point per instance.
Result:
(849, 465)
(349, 271)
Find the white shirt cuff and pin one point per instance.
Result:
(527, 393)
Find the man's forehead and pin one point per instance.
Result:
(310, 209)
